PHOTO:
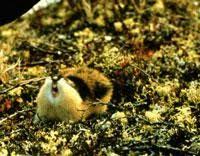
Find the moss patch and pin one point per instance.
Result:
(150, 51)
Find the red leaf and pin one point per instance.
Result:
(8, 104)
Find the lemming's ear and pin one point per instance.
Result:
(101, 89)
(81, 86)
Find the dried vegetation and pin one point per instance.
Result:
(150, 49)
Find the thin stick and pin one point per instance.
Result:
(32, 64)
(165, 149)
(21, 84)
(15, 114)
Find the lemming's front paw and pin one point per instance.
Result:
(36, 119)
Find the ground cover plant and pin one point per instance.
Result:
(150, 49)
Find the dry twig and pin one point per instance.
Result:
(21, 84)
(15, 114)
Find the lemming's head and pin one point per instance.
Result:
(55, 91)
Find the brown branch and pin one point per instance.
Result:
(38, 49)
(21, 84)
(56, 52)
(15, 114)
(39, 63)
(164, 149)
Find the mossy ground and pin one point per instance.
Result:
(150, 49)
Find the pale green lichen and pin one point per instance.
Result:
(193, 92)
(52, 141)
(120, 116)
(185, 119)
(149, 50)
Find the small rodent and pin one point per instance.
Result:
(72, 97)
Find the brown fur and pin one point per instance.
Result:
(71, 106)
